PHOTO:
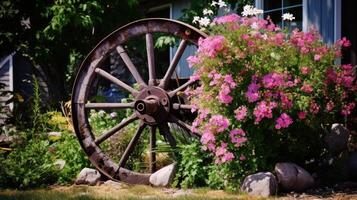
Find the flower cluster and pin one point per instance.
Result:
(259, 81)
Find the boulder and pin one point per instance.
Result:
(292, 177)
(88, 176)
(337, 139)
(164, 176)
(260, 184)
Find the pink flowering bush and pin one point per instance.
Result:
(267, 95)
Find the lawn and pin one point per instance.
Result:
(118, 191)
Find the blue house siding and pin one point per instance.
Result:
(321, 15)
(182, 70)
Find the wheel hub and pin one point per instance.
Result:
(152, 105)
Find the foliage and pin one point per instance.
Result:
(267, 95)
(197, 8)
(47, 32)
(191, 166)
(69, 151)
(27, 165)
(33, 160)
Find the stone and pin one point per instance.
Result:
(337, 139)
(88, 176)
(59, 164)
(292, 177)
(54, 136)
(113, 184)
(260, 184)
(164, 176)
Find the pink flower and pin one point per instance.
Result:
(208, 140)
(237, 137)
(302, 115)
(307, 88)
(227, 19)
(253, 92)
(284, 121)
(272, 80)
(305, 70)
(314, 107)
(196, 76)
(222, 154)
(219, 122)
(211, 45)
(285, 101)
(224, 96)
(329, 106)
(242, 157)
(346, 109)
(344, 42)
(229, 80)
(263, 110)
(241, 113)
(317, 57)
(193, 60)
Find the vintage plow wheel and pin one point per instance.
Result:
(153, 104)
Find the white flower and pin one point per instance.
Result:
(214, 3)
(207, 12)
(113, 115)
(195, 19)
(204, 22)
(249, 10)
(254, 26)
(220, 3)
(288, 17)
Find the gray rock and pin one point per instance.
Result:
(292, 177)
(88, 177)
(337, 139)
(260, 184)
(164, 176)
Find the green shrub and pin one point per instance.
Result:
(266, 95)
(67, 149)
(33, 160)
(28, 165)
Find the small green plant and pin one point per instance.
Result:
(191, 166)
(28, 165)
(69, 152)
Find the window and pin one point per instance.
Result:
(276, 8)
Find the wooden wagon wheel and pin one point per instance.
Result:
(153, 106)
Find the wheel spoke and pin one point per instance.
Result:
(115, 129)
(151, 58)
(130, 65)
(182, 87)
(178, 106)
(182, 124)
(152, 149)
(109, 105)
(165, 131)
(130, 148)
(165, 81)
(116, 81)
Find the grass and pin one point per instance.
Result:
(119, 191)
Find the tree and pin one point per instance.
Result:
(57, 34)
